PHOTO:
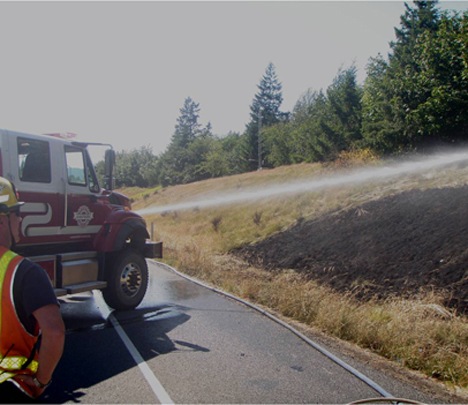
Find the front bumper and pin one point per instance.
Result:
(153, 250)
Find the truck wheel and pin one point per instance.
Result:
(127, 281)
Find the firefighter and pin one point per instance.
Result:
(32, 331)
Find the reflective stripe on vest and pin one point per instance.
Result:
(16, 344)
(5, 260)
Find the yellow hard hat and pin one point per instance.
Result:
(8, 198)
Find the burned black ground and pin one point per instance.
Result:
(402, 245)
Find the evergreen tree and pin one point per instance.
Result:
(323, 125)
(277, 147)
(267, 102)
(264, 112)
(344, 100)
(178, 164)
(441, 82)
(234, 147)
(392, 96)
(404, 66)
(308, 140)
(187, 127)
(413, 23)
(380, 129)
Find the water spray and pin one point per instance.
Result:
(356, 177)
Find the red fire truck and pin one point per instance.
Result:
(86, 237)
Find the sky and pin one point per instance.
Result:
(118, 72)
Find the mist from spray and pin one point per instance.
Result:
(353, 178)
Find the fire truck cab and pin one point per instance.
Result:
(86, 237)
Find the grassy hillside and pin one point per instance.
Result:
(279, 238)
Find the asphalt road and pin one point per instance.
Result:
(187, 344)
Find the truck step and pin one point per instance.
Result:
(87, 286)
(59, 292)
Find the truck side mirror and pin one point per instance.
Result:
(109, 162)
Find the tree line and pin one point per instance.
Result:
(414, 98)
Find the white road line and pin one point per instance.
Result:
(154, 383)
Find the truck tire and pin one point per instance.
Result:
(127, 280)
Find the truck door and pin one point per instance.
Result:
(86, 212)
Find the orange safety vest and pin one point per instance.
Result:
(16, 343)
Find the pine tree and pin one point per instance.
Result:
(417, 22)
(264, 112)
(266, 103)
(391, 92)
(344, 98)
(441, 82)
(413, 23)
(177, 165)
(379, 127)
(187, 127)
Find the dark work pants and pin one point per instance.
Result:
(11, 394)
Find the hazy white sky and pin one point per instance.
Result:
(119, 72)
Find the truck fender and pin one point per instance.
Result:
(115, 237)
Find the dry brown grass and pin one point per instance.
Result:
(420, 334)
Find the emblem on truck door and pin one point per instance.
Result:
(83, 216)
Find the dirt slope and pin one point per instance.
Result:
(400, 245)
